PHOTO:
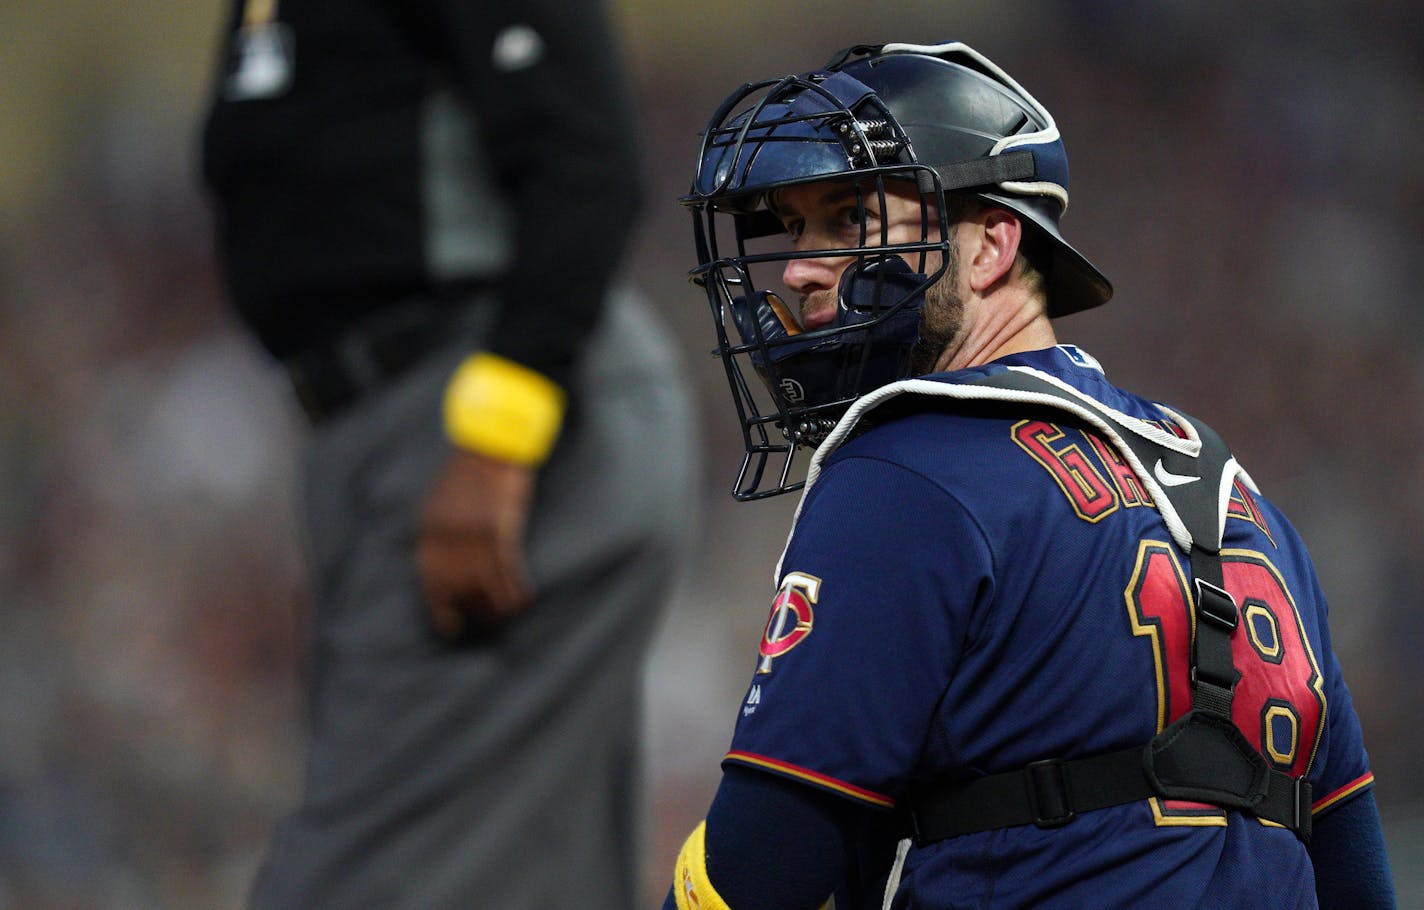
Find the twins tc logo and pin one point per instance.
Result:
(790, 620)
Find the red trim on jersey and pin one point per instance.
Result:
(1350, 789)
(814, 777)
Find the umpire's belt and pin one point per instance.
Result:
(369, 355)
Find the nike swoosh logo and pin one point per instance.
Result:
(1168, 479)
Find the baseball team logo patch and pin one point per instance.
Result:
(791, 617)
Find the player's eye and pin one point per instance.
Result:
(853, 216)
(795, 227)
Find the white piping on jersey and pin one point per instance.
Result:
(1190, 447)
(892, 884)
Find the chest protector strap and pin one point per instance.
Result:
(1200, 757)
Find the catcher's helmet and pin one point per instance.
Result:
(942, 116)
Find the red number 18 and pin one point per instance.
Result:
(1279, 701)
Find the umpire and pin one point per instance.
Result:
(420, 205)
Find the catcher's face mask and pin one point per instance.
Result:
(937, 119)
(805, 379)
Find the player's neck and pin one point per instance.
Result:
(996, 328)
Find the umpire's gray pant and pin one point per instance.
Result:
(503, 774)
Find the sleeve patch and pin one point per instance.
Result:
(791, 618)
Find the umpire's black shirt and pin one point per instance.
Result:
(367, 151)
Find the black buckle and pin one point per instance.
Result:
(1216, 604)
(1048, 796)
(912, 821)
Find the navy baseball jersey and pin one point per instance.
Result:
(970, 587)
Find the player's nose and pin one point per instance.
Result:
(802, 276)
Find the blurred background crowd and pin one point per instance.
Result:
(1247, 174)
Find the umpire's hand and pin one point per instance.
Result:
(470, 551)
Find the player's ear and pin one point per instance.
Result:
(993, 238)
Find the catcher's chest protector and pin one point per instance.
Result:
(1202, 756)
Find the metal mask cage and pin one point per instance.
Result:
(741, 256)
(771, 135)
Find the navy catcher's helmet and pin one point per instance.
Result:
(942, 116)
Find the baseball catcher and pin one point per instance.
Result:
(1036, 641)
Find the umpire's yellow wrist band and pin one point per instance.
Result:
(502, 409)
(691, 887)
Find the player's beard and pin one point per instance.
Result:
(943, 316)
